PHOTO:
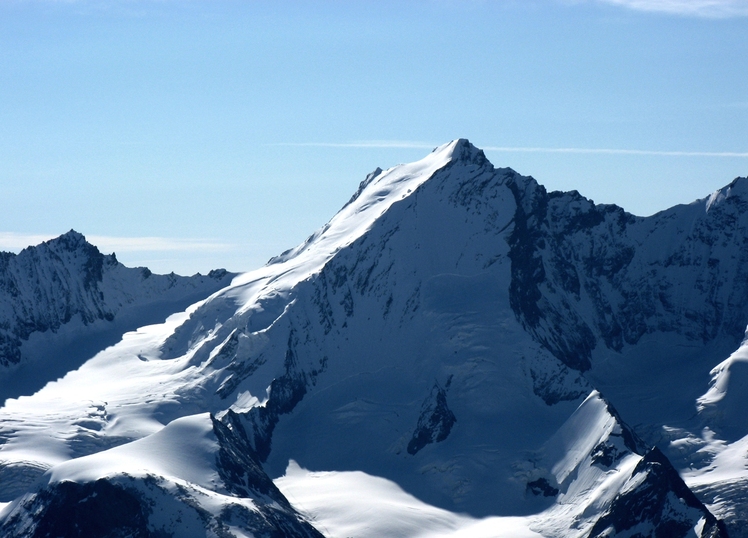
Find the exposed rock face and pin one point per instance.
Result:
(435, 422)
(78, 510)
(585, 275)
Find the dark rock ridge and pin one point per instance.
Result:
(78, 510)
(131, 506)
(541, 486)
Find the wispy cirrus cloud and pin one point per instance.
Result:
(157, 244)
(395, 144)
(693, 8)
(14, 241)
(613, 151)
(11, 241)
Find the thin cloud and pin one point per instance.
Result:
(695, 8)
(156, 244)
(12, 241)
(514, 149)
(611, 151)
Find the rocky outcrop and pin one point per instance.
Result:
(435, 422)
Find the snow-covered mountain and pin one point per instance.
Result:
(63, 300)
(456, 353)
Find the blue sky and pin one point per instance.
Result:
(187, 134)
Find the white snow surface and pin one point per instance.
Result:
(353, 503)
(727, 398)
(185, 449)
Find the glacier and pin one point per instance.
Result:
(457, 352)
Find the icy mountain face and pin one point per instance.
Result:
(401, 342)
(445, 333)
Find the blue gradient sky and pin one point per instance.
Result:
(187, 135)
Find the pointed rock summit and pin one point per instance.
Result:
(465, 152)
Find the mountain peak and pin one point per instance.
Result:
(739, 185)
(69, 241)
(463, 151)
(737, 188)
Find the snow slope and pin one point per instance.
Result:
(178, 481)
(442, 358)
